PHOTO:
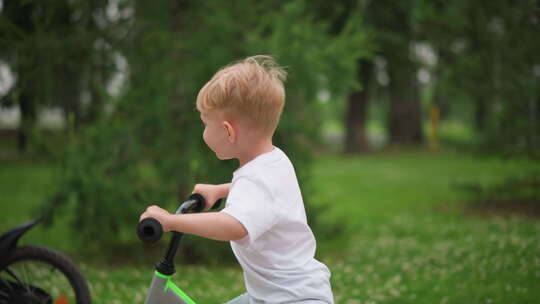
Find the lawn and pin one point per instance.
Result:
(404, 235)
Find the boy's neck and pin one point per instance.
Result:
(254, 151)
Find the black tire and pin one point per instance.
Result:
(53, 261)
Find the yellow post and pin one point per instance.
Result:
(433, 138)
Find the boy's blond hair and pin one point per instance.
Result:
(251, 89)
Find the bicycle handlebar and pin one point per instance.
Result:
(150, 230)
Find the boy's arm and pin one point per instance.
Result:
(212, 225)
(225, 189)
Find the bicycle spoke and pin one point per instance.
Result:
(26, 278)
(3, 295)
(22, 277)
(14, 275)
(8, 286)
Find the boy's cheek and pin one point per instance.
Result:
(205, 137)
(208, 143)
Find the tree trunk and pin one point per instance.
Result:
(405, 108)
(96, 107)
(534, 109)
(356, 116)
(480, 114)
(28, 111)
(68, 93)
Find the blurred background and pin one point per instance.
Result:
(414, 128)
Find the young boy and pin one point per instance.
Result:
(264, 218)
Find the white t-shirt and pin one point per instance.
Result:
(277, 255)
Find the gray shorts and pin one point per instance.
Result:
(246, 299)
(243, 299)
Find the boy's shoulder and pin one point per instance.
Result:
(271, 174)
(263, 165)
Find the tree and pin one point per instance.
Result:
(356, 113)
(395, 24)
(54, 50)
(392, 32)
(347, 15)
(149, 149)
(488, 53)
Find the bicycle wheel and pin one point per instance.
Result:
(33, 274)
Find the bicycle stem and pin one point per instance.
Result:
(166, 266)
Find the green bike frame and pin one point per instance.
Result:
(164, 291)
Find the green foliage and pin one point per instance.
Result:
(482, 57)
(57, 50)
(149, 149)
(316, 62)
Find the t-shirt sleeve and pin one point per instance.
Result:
(252, 205)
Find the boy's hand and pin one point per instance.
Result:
(159, 214)
(211, 193)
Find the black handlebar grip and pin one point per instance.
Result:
(217, 204)
(202, 202)
(199, 206)
(149, 230)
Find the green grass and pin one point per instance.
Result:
(389, 183)
(24, 187)
(437, 259)
(122, 284)
(406, 239)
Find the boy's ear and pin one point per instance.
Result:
(231, 132)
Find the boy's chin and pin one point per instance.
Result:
(223, 157)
